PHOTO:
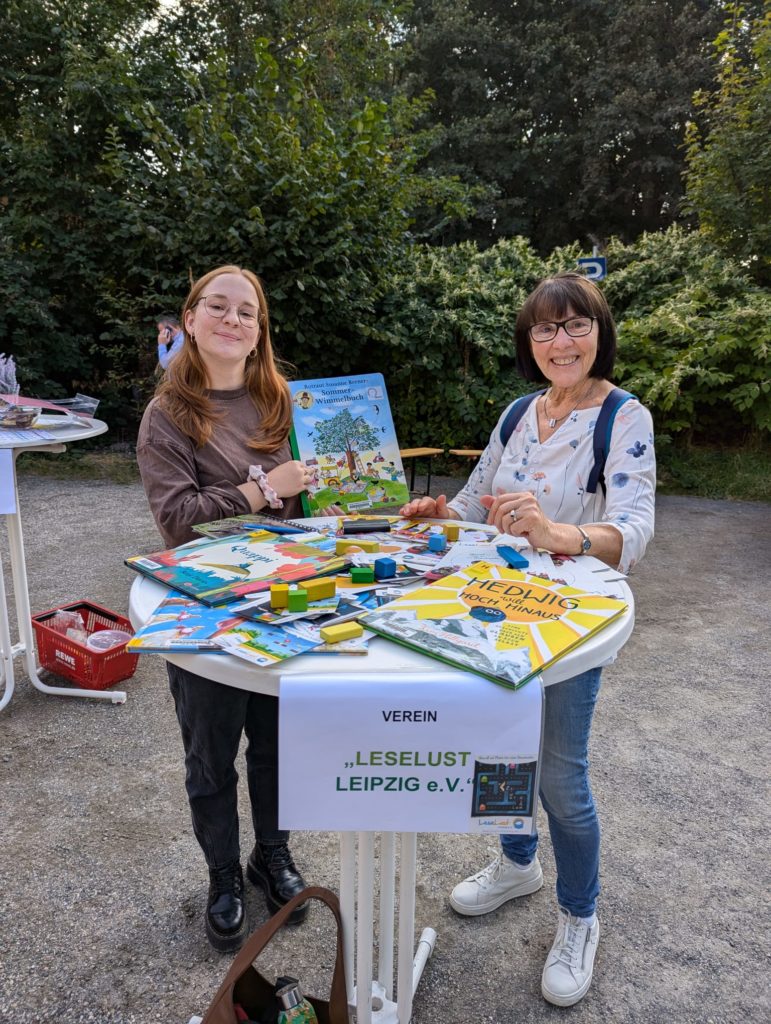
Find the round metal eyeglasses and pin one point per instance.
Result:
(217, 306)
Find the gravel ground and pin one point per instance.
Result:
(104, 886)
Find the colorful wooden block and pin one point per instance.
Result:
(362, 574)
(297, 600)
(342, 631)
(451, 531)
(279, 593)
(344, 543)
(437, 542)
(318, 589)
(513, 558)
(384, 568)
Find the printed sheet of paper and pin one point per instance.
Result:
(438, 751)
(7, 489)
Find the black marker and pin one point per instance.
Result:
(366, 526)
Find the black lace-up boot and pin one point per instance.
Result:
(225, 918)
(271, 867)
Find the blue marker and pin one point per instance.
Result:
(277, 529)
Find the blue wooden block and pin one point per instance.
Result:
(513, 558)
(385, 568)
(437, 542)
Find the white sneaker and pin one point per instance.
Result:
(567, 973)
(500, 881)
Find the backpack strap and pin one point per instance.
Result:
(603, 428)
(517, 410)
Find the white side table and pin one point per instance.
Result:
(24, 648)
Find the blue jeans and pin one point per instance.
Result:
(212, 718)
(566, 794)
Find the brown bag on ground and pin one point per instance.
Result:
(245, 985)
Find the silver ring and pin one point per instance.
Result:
(513, 514)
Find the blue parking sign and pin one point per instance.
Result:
(594, 267)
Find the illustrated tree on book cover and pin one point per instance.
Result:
(347, 435)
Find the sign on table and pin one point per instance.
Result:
(444, 751)
(7, 490)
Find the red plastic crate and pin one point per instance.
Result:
(93, 670)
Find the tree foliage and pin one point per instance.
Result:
(142, 144)
(446, 330)
(343, 433)
(571, 112)
(138, 153)
(694, 336)
(729, 161)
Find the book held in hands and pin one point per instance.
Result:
(344, 433)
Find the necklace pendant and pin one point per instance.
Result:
(552, 424)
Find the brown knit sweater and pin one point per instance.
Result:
(186, 485)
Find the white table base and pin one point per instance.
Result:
(24, 648)
(372, 997)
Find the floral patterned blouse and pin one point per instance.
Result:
(556, 472)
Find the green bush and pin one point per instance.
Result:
(447, 332)
(694, 336)
(124, 177)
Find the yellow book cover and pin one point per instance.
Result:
(501, 623)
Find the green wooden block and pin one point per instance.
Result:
(297, 600)
(362, 574)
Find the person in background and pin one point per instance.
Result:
(535, 487)
(170, 339)
(214, 442)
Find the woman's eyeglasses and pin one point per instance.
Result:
(576, 327)
(217, 306)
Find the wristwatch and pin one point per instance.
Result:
(586, 544)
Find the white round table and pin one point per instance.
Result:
(370, 988)
(386, 656)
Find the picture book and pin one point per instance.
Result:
(501, 623)
(359, 646)
(461, 553)
(420, 530)
(181, 623)
(263, 644)
(344, 432)
(258, 609)
(412, 560)
(250, 522)
(216, 570)
(576, 571)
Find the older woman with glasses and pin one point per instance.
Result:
(535, 484)
(214, 442)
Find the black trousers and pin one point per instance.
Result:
(212, 718)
